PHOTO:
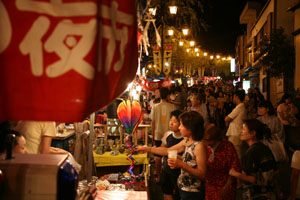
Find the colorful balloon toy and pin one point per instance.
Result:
(130, 114)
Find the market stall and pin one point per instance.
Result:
(107, 159)
(78, 63)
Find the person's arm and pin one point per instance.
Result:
(45, 144)
(281, 116)
(234, 113)
(200, 154)
(54, 150)
(279, 129)
(228, 119)
(224, 191)
(175, 102)
(293, 108)
(153, 130)
(242, 176)
(294, 183)
(48, 130)
(162, 150)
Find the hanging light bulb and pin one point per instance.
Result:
(170, 32)
(185, 31)
(192, 43)
(173, 9)
(152, 11)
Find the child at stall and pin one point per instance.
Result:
(19, 143)
(169, 176)
(192, 164)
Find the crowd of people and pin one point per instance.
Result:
(230, 143)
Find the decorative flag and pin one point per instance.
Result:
(62, 60)
(168, 48)
(152, 85)
(156, 59)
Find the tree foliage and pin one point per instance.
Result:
(278, 55)
(190, 14)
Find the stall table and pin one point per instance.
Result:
(107, 163)
(121, 195)
(107, 160)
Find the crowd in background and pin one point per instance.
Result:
(246, 138)
(230, 143)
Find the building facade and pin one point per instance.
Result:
(261, 19)
(296, 10)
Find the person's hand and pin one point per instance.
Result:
(223, 192)
(233, 172)
(141, 149)
(175, 163)
(55, 150)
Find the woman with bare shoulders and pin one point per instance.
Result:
(193, 161)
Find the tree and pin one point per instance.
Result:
(278, 57)
(190, 13)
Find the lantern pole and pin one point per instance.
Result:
(90, 155)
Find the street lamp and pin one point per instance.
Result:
(173, 10)
(185, 31)
(170, 32)
(152, 11)
(192, 43)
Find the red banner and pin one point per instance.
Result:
(152, 85)
(62, 60)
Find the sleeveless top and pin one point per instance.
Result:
(186, 181)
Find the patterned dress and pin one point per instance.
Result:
(219, 162)
(186, 181)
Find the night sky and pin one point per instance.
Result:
(224, 27)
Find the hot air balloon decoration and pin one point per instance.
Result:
(130, 114)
